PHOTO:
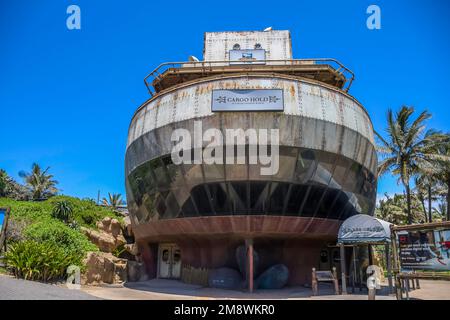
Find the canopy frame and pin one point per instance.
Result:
(362, 229)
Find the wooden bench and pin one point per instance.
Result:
(324, 276)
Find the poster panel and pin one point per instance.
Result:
(424, 250)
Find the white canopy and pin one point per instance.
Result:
(362, 228)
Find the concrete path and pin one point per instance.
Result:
(431, 290)
(158, 289)
(18, 289)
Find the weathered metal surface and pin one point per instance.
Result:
(276, 43)
(294, 131)
(327, 159)
(324, 70)
(215, 252)
(301, 98)
(340, 124)
(241, 227)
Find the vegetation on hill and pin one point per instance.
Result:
(41, 245)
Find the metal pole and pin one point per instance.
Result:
(406, 281)
(388, 266)
(398, 282)
(354, 269)
(343, 276)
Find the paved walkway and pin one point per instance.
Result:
(431, 290)
(18, 289)
(157, 289)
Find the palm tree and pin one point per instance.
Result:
(39, 182)
(114, 201)
(442, 209)
(422, 194)
(444, 170)
(407, 148)
(393, 209)
(428, 189)
(63, 210)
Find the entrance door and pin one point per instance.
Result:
(169, 261)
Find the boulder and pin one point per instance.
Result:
(127, 226)
(132, 248)
(102, 267)
(275, 277)
(109, 235)
(136, 271)
(111, 226)
(106, 242)
(225, 278)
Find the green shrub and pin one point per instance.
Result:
(85, 212)
(119, 250)
(70, 240)
(87, 218)
(63, 210)
(28, 210)
(34, 260)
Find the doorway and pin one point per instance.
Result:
(169, 261)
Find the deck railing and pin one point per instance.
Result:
(207, 66)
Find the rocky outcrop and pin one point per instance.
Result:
(127, 229)
(136, 271)
(102, 267)
(132, 248)
(109, 235)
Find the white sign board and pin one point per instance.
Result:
(247, 100)
(248, 56)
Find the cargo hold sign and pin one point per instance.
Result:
(247, 100)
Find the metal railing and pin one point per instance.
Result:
(207, 66)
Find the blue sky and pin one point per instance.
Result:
(67, 96)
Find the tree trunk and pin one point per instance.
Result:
(430, 214)
(425, 213)
(408, 202)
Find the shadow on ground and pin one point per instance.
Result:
(175, 287)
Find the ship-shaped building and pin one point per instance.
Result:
(187, 211)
